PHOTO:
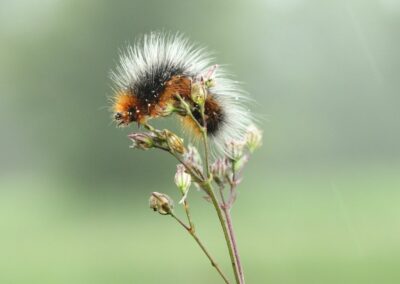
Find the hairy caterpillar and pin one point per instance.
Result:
(158, 67)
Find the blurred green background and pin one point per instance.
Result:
(319, 202)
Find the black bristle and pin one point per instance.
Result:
(214, 118)
(149, 88)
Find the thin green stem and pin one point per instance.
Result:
(208, 188)
(228, 217)
(226, 209)
(186, 207)
(203, 248)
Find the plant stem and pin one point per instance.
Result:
(227, 212)
(203, 248)
(186, 207)
(228, 218)
(208, 188)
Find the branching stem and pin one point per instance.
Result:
(203, 248)
(205, 181)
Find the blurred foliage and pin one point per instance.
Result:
(319, 203)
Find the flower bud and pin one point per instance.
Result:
(143, 141)
(183, 181)
(175, 142)
(198, 94)
(161, 203)
(253, 138)
(218, 169)
(165, 110)
(234, 149)
(193, 158)
(239, 164)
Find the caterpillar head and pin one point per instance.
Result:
(126, 109)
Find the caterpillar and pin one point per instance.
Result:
(158, 67)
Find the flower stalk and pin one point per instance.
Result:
(191, 231)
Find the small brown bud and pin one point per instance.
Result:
(161, 203)
(175, 142)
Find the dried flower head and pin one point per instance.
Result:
(161, 203)
(143, 141)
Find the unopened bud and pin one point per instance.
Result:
(166, 110)
(175, 142)
(234, 149)
(161, 203)
(198, 94)
(218, 169)
(183, 181)
(143, 141)
(239, 164)
(253, 138)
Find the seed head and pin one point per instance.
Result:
(161, 203)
